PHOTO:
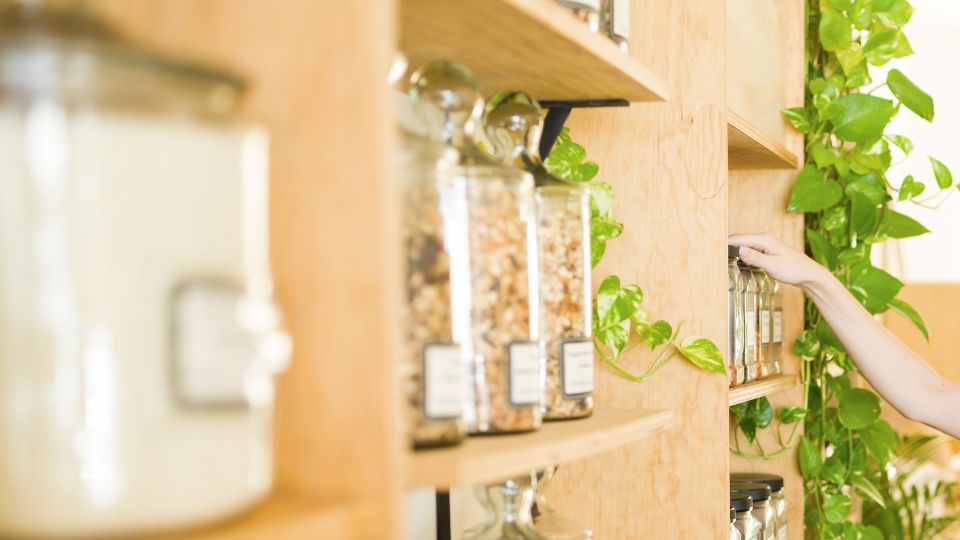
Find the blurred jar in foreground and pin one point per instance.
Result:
(138, 334)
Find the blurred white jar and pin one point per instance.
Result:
(138, 334)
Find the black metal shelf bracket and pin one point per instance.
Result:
(559, 110)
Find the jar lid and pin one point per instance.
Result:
(741, 502)
(71, 53)
(775, 482)
(757, 492)
(733, 252)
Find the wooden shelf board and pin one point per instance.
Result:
(490, 458)
(536, 46)
(750, 148)
(285, 517)
(765, 387)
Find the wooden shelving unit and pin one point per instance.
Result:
(533, 45)
(282, 517)
(485, 459)
(762, 388)
(749, 148)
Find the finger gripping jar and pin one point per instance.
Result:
(493, 317)
(514, 121)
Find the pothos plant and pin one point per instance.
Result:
(620, 322)
(844, 192)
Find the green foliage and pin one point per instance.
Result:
(620, 322)
(844, 193)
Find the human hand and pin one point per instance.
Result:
(778, 260)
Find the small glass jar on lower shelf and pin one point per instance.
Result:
(777, 502)
(745, 523)
(548, 521)
(734, 533)
(508, 507)
(762, 510)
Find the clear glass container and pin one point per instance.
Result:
(763, 510)
(751, 318)
(508, 506)
(587, 11)
(745, 523)
(615, 20)
(735, 325)
(776, 325)
(138, 333)
(777, 501)
(765, 320)
(514, 121)
(734, 533)
(434, 244)
(548, 521)
(495, 317)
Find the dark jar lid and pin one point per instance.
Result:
(741, 502)
(733, 252)
(775, 482)
(757, 492)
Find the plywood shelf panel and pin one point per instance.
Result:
(532, 45)
(286, 517)
(749, 148)
(486, 459)
(765, 387)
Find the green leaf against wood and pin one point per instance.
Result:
(860, 117)
(827, 337)
(834, 469)
(858, 408)
(601, 199)
(703, 353)
(867, 185)
(864, 215)
(897, 225)
(942, 173)
(910, 94)
(910, 188)
(791, 415)
(823, 251)
(834, 30)
(653, 333)
(807, 345)
(813, 191)
(867, 488)
(797, 116)
(873, 287)
(836, 508)
(911, 315)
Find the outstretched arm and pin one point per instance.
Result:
(897, 373)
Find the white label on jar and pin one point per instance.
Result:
(621, 18)
(765, 326)
(751, 328)
(525, 367)
(577, 365)
(778, 325)
(211, 351)
(443, 381)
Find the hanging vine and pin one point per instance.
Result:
(844, 192)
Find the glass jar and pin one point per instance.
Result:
(514, 121)
(587, 11)
(745, 523)
(762, 508)
(508, 506)
(751, 318)
(734, 533)
(735, 329)
(434, 242)
(765, 320)
(548, 521)
(777, 501)
(495, 317)
(615, 17)
(776, 326)
(138, 333)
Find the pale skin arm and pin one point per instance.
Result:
(897, 373)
